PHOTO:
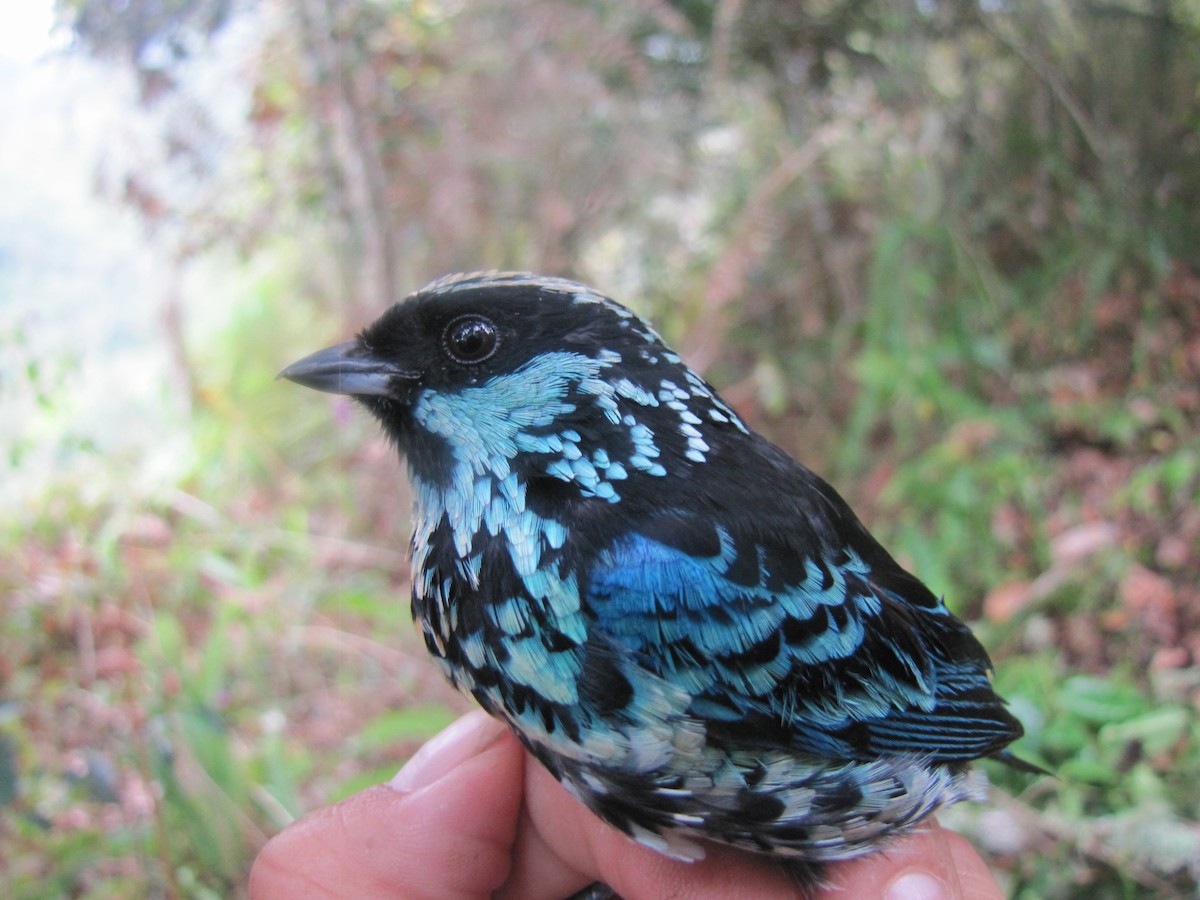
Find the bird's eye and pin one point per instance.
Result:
(470, 339)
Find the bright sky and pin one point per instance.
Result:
(80, 284)
(25, 28)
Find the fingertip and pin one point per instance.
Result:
(447, 832)
(917, 886)
(318, 855)
(453, 745)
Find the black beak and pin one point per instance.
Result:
(344, 369)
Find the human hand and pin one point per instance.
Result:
(473, 816)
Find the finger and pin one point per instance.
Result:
(569, 848)
(443, 829)
(928, 864)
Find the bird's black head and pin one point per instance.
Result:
(485, 370)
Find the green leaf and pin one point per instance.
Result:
(1101, 701)
(415, 723)
(1157, 731)
(9, 771)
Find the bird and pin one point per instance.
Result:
(692, 631)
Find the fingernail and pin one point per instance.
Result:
(454, 745)
(916, 886)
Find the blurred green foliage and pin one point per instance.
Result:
(944, 252)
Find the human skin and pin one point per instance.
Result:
(473, 816)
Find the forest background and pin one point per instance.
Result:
(945, 252)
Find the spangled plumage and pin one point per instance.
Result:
(687, 627)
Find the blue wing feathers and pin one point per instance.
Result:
(832, 652)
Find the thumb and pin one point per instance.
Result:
(928, 864)
(442, 828)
